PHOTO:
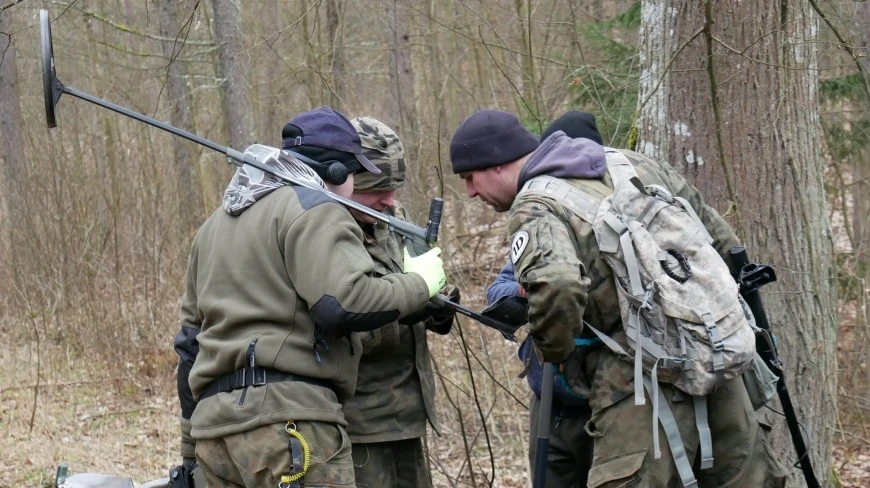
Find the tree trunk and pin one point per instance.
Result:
(110, 162)
(274, 113)
(188, 205)
(737, 113)
(402, 112)
(528, 107)
(227, 22)
(861, 169)
(861, 187)
(12, 154)
(313, 83)
(336, 53)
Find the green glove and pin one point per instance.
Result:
(429, 266)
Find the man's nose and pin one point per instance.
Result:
(389, 200)
(469, 188)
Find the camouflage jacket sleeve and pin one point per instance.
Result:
(331, 270)
(724, 237)
(187, 349)
(547, 267)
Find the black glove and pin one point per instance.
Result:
(441, 318)
(182, 476)
(438, 319)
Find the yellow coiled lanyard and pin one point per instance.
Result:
(297, 445)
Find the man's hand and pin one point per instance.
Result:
(182, 476)
(452, 293)
(429, 266)
(441, 318)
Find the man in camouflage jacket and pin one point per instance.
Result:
(569, 451)
(277, 281)
(395, 390)
(557, 262)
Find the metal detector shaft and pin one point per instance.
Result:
(239, 158)
(751, 277)
(148, 120)
(483, 319)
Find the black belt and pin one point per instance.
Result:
(256, 376)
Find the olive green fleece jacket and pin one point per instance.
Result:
(262, 280)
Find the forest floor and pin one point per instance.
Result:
(122, 419)
(128, 426)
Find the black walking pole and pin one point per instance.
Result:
(542, 445)
(751, 277)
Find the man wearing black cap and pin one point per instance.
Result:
(277, 280)
(558, 263)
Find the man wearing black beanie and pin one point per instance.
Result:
(569, 452)
(575, 124)
(553, 191)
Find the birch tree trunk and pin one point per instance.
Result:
(227, 24)
(729, 99)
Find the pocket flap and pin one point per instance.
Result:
(619, 468)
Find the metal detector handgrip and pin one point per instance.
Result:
(417, 239)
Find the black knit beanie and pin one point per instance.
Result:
(489, 138)
(575, 124)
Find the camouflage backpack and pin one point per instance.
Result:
(683, 317)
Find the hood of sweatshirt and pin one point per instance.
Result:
(562, 157)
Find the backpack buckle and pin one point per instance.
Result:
(713, 331)
(646, 303)
(660, 193)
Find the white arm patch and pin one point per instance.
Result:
(520, 241)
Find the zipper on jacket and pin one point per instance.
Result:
(249, 355)
(319, 340)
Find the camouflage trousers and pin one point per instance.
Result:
(624, 456)
(259, 457)
(569, 454)
(395, 464)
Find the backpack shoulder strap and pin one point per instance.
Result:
(619, 167)
(583, 200)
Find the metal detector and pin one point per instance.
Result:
(417, 238)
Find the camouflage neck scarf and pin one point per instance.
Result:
(250, 184)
